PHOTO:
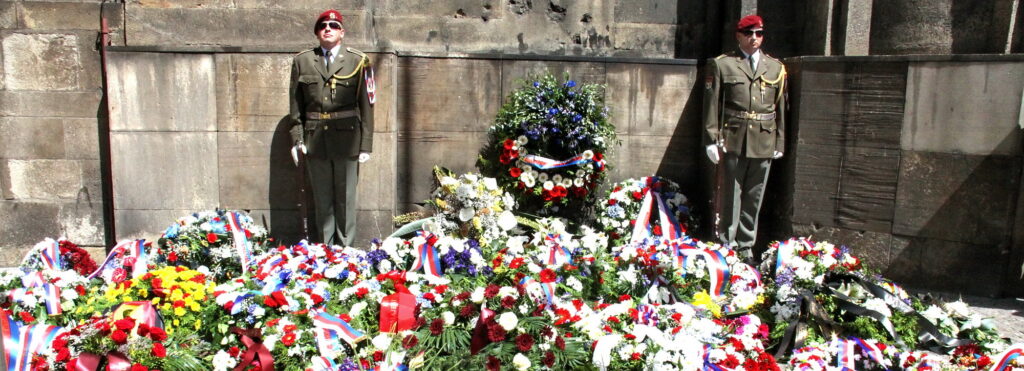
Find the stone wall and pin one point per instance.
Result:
(917, 162)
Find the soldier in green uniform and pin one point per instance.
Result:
(332, 94)
(744, 126)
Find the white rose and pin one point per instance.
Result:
(478, 295)
(508, 321)
(465, 214)
(449, 318)
(521, 362)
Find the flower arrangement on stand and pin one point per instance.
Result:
(471, 206)
(211, 241)
(548, 145)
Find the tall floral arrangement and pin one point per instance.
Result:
(548, 145)
(210, 241)
(471, 206)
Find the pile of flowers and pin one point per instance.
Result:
(50, 280)
(211, 241)
(668, 213)
(548, 143)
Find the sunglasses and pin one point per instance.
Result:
(758, 33)
(332, 24)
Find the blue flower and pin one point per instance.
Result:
(577, 118)
(172, 231)
(218, 227)
(570, 83)
(536, 84)
(553, 111)
(616, 211)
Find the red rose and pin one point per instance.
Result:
(159, 351)
(361, 292)
(143, 329)
(234, 351)
(524, 342)
(493, 363)
(125, 324)
(579, 192)
(508, 144)
(440, 289)
(211, 237)
(63, 355)
(119, 337)
(345, 317)
(80, 290)
(515, 172)
(378, 356)
(26, 317)
(139, 367)
(157, 334)
(288, 339)
(505, 159)
(637, 195)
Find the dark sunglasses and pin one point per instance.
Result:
(332, 25)
(758, 33)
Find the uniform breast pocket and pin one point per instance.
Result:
(735, 85)
(310, 85)
(346, 89)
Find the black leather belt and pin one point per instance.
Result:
(331, 115)
(751, 115)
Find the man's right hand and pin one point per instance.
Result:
(713, 153)
(295, 152)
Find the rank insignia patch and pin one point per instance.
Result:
(708, 81)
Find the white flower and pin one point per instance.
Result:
(205, 227)
(508, 291)
(574, 283)
(357, 308)
(878, 305)
(515, 245)
(579, 182)
(958, 309)
(548, 185)
(223, 361)
(478, 295)
(507, 220)
(381, 341)
(466, 213)
(557, 178)
(521, 140)
(521, 362)
(508, 321)
(69, 294)
(490, 183)
(449, 318)
(543, 177)
(528, 180)
(588, 154)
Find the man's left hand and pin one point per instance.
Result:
(776, 155)
(363, 157)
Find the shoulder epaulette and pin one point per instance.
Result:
(721, 56)
(303, 52)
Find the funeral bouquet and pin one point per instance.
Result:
(472, 206)
(548, 144)
(652, 203)
(49, 281)
(217, 242)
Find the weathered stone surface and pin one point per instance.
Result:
(665, 156)
(194, 26)
(956, 197)
(67, 15)
(8, 15)
(155, 171)
(423, 34)
(41, 61)
(318, 5)
(244, 166)
(44, 179)
(983, 115)
(91, 76)
(164, 4)
(44, 104)
(815, 184)
(648, 40)
(419, 151)
(82, 222)
(857, 22)
(146, 224)
(141, 98)
(81, 139)
(516, 73)
(252, 91)
(942, 265)
(31, 138)
(651, 11)
(385, 111)
(377, 185)
(650, 99)
(867, 189)
(489, 9)
(911, 27)
(26, 223)
(871, 247)
(448, 94)
(373, 224)
(92, 182)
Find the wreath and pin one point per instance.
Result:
(548, 144)
(625, 202)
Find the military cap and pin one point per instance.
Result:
(749, 22)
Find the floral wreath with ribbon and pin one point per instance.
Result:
(548, 144)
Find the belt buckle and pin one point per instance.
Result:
(325, 115)
(751, 115)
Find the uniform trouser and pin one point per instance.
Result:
(334, 198)
(742, 189)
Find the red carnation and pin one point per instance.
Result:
(656, 230)
(26, 317)
(211, 237)
(159, 351)
(362, 291)
(493, 363)
(524, 342)
(172, 257)
(288, 339)
(410, 341)
(495, 332)
(549, 359)
(291, 328)
(515, 172)
(80, 290)
(560, 343)
(63, 355)
(579, 192)
(508, 302)
(491, 291)
(436, 326)
(548, 275)
(119, 337)
(440, 289)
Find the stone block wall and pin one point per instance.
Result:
(915, 162)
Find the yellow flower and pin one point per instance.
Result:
(199, 323)
(179, 311)
(703, 300)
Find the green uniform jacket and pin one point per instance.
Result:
(738, 103)
(315, 90)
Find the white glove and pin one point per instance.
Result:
(295, 152)
(713, 154)
(363, 157)
(776, 155)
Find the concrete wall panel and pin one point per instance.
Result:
(252, 91)
(26, 138)
(449, 95)
(419, 151)
(164, 171)
(971, 108)
(649, 99)
(143, 98)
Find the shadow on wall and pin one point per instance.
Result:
(285, 193)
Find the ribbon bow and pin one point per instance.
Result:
(426, 255)
(125, 249)
(718, 268)
(670, 227)
(21, 342)
(329, 329)
(241, 242)
(255, 350)
(556, 253)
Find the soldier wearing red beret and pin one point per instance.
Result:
(745, 130)
(332, 94)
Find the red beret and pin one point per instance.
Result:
(328, 14)
(748, 22)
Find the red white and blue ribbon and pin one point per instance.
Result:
(124, 249)
(242, 245)
(50, 253)
(35, 280)
(670, 227)
(648, 315)
(21, 342)
(336, 327)
(556, 253)
(785, 253)
(846, 352)
(426, 256)
(714, 260)
(544, 163)
(1006, 358)
(547, 288)
(371, 84)
(323, 364)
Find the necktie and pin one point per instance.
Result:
(327, 56)
(753, 66)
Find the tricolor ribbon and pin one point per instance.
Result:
(242, 244)
(21, 342)
(556, 253)
(371, 84)
(846, 352)
(50, 251)
(670, 227)
(784, 255)
(323, 364)
(547, 288)
(544, 163)
(426, 255)
(335, 327)
(648, 315)
(35, 280)
(714, 260)
(140, 311)
(1007, 357)
(126, 248)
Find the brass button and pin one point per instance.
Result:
(325, 98)
(325, 127)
